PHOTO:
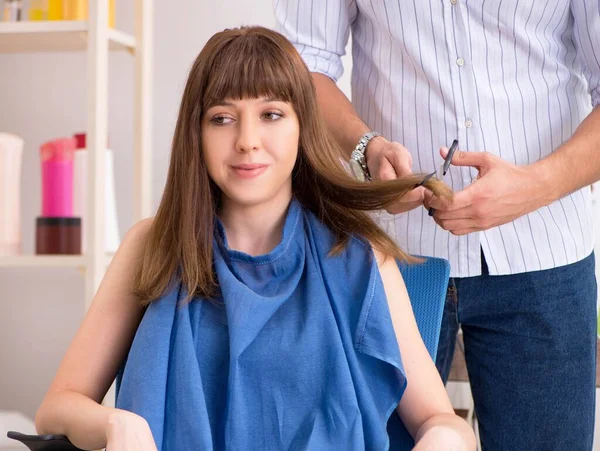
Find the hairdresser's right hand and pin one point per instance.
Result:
(127, 431)
(388, 160)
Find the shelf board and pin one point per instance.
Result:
(55, 36)
(46, 261)
(42, 261)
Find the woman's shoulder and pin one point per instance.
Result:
(384, 260)
(142, 227)
(393, 283)
(391, 277)
(134, 240)
(139, 231)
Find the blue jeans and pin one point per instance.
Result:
(530, 349)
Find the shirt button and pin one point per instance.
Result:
(468, 123)
(460, 62)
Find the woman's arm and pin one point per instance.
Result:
(425, 408)
(72, 404)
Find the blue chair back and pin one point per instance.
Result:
(426, 283)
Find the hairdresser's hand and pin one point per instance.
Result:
(501, 193)
(127, 431)
(388, 160)
(443, 437)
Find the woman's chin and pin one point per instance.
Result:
(253, 200)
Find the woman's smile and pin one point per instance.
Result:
(249, 170)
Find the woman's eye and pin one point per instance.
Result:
(221, 120)
(272, 115)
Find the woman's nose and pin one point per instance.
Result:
(248, 137)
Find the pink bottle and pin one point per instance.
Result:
(57, 177)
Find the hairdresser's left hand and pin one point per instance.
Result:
(501, 193)
(388, 160)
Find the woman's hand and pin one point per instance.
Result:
(127, 431)
(443, 437)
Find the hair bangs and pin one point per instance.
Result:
(250, 68)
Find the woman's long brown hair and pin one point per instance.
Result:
(252, 62)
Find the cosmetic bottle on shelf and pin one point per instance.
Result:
(11, 156)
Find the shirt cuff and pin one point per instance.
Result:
(322, 61)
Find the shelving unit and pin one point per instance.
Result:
(96, 39)
(55, 36)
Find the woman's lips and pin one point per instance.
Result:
(248, 171)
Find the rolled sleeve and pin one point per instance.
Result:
(319, 29)
(586, 33)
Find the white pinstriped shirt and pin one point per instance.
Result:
(511, 77)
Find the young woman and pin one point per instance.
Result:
(261, 308)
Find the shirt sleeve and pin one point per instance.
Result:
(319, 29)
(586, 33)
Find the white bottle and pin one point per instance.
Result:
(111, 224)
(11, 157)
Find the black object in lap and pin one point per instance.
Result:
(46, 442)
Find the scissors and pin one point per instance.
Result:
(443, 169)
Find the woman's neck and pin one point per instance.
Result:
(254, 230)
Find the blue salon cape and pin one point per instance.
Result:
(297, 353)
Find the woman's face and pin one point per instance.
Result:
(250, 147)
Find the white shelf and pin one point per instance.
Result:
(46, 261)
(43, 261)
(94, 38)
(55, 36)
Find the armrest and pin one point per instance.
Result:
(46, 442)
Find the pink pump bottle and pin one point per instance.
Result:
(57, 177)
